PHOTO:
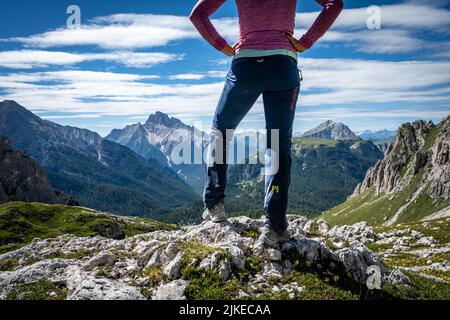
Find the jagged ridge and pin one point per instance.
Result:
(410, 183)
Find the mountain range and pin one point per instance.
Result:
(159, 137)
(411, 182)
(96, 172)
(132, 171)
(378, 135)
(332, 131)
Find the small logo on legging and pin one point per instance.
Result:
(276, 189)
(294, 98)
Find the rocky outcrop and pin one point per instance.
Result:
(331, 130)
(415, 167)
(163, 264)
(23, 179)
(418, 145)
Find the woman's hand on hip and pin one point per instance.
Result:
(294, 42)
(228, 51)
(231, 50)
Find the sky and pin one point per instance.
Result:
(128, 59)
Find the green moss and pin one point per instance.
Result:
(430, 138)
(146, 292)
(197, 250)
(377, 208)
(39, 290)
(253, 265)
(154, 274)
(101, 273)
(78, 254)
(439, 229)
(251, 233)
(20, 222)
(330, 244)
(438, 274)
(407, 259)
(379, 247)
(8, 264)
(326, 286)
(420, 289)
(314, 230)
(268, 294)
(209, 286)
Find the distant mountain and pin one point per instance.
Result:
(381, 138)
(159, 137)
(97, 172)
(411, 183)
(23, 179)
(331, 130)
(378, 135)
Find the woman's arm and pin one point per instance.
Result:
(331, 10)
(200, 18)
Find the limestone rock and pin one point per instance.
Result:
(171, 291)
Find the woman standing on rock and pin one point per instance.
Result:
(264, 62)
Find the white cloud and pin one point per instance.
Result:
(327, 82)
(407, 15)
(187, 76)
(136, 31)
(27, 59)
(123, 31)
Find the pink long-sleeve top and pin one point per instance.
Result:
(261, 23)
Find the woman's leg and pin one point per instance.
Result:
(242, 88)
(280, 99)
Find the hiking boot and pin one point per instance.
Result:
(216, 213)
(270, 238)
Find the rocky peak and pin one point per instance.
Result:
(332, 131)
(10, 108)
(162, 119)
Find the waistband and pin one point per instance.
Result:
(250, 53)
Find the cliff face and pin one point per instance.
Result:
(23, 179)
(421, 148)
(411, 183)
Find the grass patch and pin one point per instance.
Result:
(379, 247)
(197, 250)
(146, 292)
(40, 290)
(420, 289)
(377, 208)
(77, 255)
(251, 233)
(209, 286)
(8, 264)
(439, 229)
(325, 287)
(21, 222)
(154, 274)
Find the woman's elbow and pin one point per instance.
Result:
(339, 4)
(193, 16)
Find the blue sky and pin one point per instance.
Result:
(131, 58)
